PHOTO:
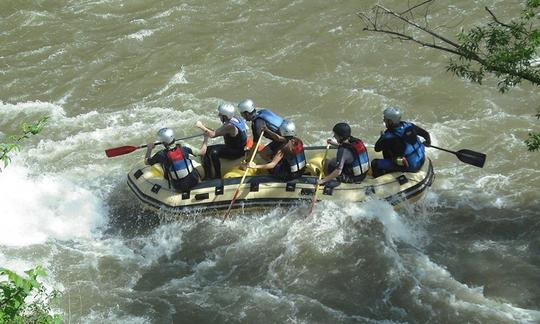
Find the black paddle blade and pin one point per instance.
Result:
(471, 157)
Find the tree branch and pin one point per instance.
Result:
(496, 19)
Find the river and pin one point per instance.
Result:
(112, 72)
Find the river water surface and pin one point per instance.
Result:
(112, 72)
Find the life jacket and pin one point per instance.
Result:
(238, 141)
(360, 164)
(180, 165)
(272, 120)
(297, 160)
(414, 151)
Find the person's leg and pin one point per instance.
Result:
(330, 166)
(214, 153)
(382, 166)
(207, 162)
(222, 151)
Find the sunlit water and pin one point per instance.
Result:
(111, 72)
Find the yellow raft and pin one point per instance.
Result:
(260, 190)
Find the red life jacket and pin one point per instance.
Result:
(360, 164)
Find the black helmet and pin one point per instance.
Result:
(342, 130)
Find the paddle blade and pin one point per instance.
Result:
(471, 157)
(112, 152)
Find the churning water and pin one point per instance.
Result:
(112, 72)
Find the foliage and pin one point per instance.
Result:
(24, 299)
(28, 130)
(507, 50)
(533, 142)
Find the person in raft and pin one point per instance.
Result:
(234, 132)
(401, 147)
(262, 120)
(351, 163)
(174, 159)
(289, 161)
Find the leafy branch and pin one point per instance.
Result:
(14, 307)
(15, 140)
(507, 50)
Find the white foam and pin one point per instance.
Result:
(36, 209)
(141, 34)
(443, 289)
(9, 111)
(178, 78)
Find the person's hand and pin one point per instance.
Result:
(332, 141)
(427, 143)
(243, 166)
(198, 124)
(150, 145)
(207, 133)
(252, 165)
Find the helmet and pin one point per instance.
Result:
(166, 136)
(246, 105)
(287, 128)
(226, 109)
(392, 114)
(342, 130)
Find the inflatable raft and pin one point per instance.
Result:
(260, 190)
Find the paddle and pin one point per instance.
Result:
(116, 151)
(320, 177)
(237, 192)
(470, 157)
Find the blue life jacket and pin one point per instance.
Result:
(360, 164)
(414, 149)
(181, 166)
(272, 120)
(238, 141)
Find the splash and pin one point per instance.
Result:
(35, 209)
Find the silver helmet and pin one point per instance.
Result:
(392, 114)
(226, 109)
(246, 105)
(287, 129)
(166, 136)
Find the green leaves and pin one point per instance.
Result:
(14, 307)
(533, 142)
(28, 129)
(504, 49)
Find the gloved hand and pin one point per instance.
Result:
(332, 141)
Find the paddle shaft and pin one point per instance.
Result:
(320, 177)
(116, 151)
(237, 192)
(443, 149)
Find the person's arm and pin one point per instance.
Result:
(273, 136)
(423, 133)
(334, 174)
(270, 165)
(198, 151)
(379, 145)
(204, 146)
(149, 148)
(227, 129)
(255, 140)
(340, 160)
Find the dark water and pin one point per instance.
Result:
(111, 72)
